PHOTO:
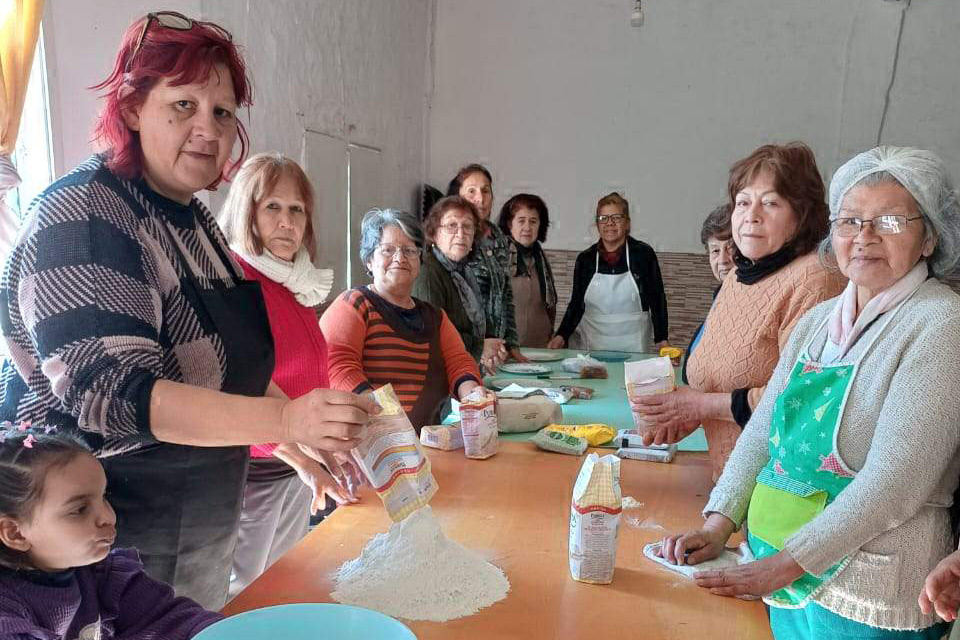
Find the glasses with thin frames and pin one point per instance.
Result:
(616, 218)
(388, 251)
(886, 225)
(454, 227)
(172, 20)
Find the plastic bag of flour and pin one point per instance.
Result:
(392, 459)
(478, 420)
(527, 414)
(559, 442)
(645, 378)
(595, 520)
(585, 366)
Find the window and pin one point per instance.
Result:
(33, 155)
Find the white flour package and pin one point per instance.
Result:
(392, 459)
(478, 420)
(595, 520)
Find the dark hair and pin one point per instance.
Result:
(181, 56)
(717, 224)
(25, 459)
(614, 198)
(440, 207)
(796, 178)
(453, 189)
(524, 201)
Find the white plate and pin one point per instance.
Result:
(542, 355)
(524, 367)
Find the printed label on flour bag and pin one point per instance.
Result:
(478, 420)
(595, 520)
(392, 459)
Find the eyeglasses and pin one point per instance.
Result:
(176, 21)
(453, 227)
(388, 251)
(615, 218)
(886, 225)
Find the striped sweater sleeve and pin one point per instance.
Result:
(459, 364)
(344, 328)
(84, 289)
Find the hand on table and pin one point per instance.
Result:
(326, 419)
(672, 416)
(516, 355)
(698, 545)
(941, 590)
(756, 579)
(556, 342)
(494, 354)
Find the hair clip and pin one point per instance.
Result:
(28, 441)
(26, 424)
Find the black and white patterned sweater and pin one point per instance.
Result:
(94, 312)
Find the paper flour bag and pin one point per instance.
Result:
(478, 420)
(595, 520)
(645, 378)
(392, 459)
(442, 436)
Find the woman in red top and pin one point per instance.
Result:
(267, 221)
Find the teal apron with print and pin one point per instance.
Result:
(804, 472)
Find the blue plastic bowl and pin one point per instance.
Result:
(308, 622)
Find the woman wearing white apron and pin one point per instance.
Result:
(847, 468)
(618, 302)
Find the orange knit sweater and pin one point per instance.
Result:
(744, 334)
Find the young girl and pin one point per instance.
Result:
(59, 580)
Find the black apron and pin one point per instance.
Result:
(435, 396)
(180, 505)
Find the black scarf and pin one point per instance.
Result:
(751, 272)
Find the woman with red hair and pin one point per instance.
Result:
(128, 322)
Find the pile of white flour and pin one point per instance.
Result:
(414, 572)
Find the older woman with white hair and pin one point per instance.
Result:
(380, 333)
(846, 471)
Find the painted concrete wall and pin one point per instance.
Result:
(566, 99)
(352, 69)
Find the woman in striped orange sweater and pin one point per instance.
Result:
(379, 333)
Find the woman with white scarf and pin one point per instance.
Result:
(267, 221)
(846, 470)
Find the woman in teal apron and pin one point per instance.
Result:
(845, 474)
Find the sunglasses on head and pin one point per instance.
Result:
(176, 21)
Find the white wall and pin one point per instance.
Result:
(566, 99)
(352, 69)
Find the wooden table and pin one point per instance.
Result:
(514, 509)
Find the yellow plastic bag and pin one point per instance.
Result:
(594, 434)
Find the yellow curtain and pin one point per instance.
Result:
(19, 28)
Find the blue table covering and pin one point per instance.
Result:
(609, 404)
